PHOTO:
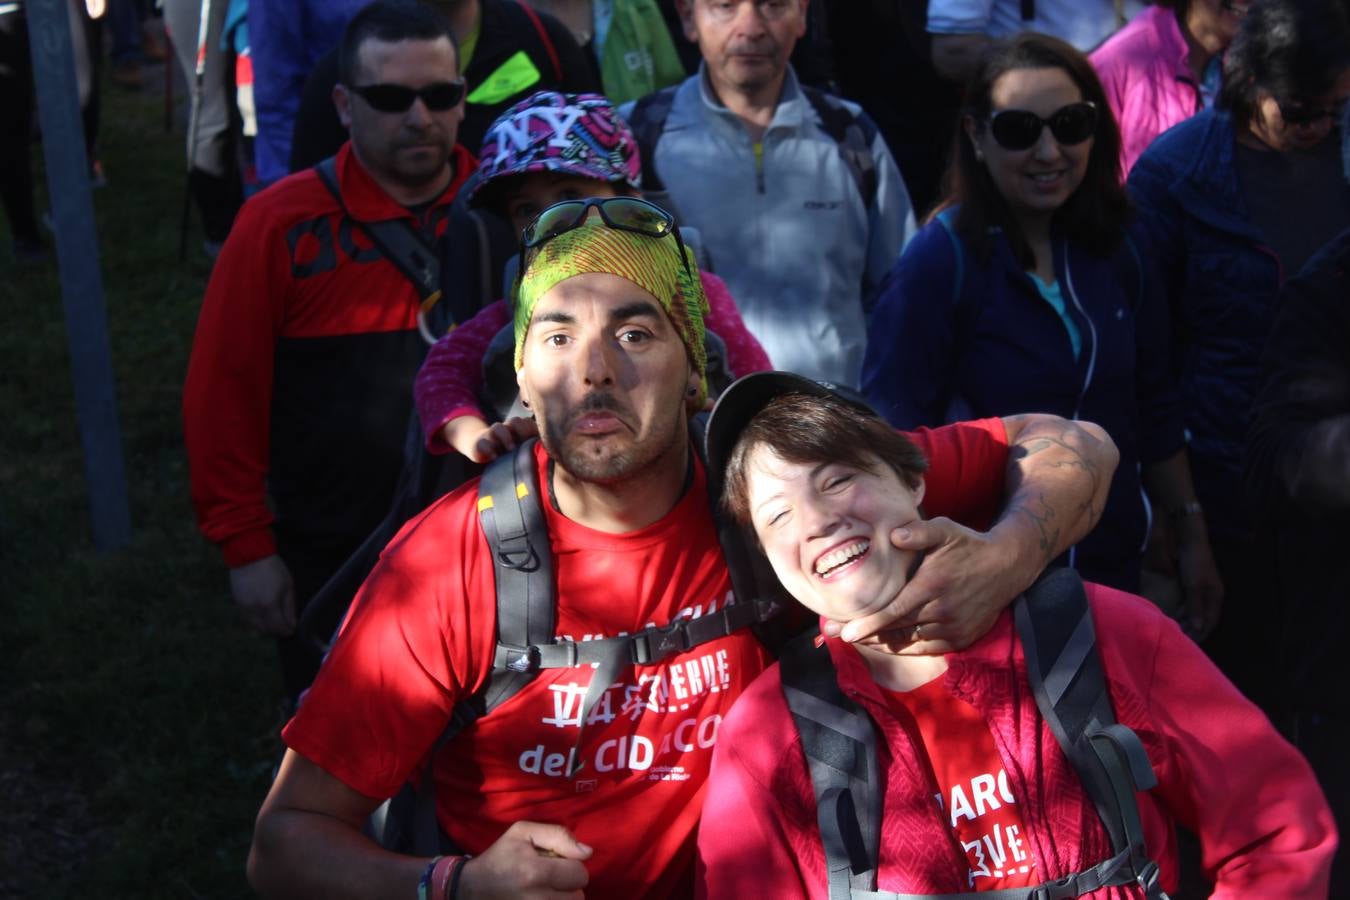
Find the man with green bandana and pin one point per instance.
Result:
(560, 789)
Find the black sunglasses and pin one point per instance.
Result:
(1020, 129)
(396, 98)
(620, 213)
(1303, 115)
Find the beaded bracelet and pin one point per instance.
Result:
(452, 890)
(425, 882)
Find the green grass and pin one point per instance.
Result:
(137, 716)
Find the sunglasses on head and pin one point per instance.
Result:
(620, 213)
(395, 98)
(1302, 115)
(1020, 129)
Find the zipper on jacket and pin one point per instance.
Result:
(1092, 332)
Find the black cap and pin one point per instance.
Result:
(741, 402)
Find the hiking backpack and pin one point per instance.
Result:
(511, 512)
(1058, 640)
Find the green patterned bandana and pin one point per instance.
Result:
(653, 264)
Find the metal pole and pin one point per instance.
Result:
(81, 281)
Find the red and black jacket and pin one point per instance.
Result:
(300, 381)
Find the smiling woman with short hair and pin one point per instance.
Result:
(948, 762)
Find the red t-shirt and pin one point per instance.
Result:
(973, 791)
(421, 637)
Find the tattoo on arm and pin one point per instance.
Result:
(1060, 446)
(1042, 515)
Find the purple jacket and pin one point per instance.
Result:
(1148, 83)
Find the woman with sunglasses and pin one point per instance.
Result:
(1234, 201)
(1023, 292)
(528, 165)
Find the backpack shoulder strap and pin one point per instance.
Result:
(512, 517)
(513, 523)
(648, 121)
(840, 746)
(853, 134)
(397, 242)
(1059, 642)
(543, 39)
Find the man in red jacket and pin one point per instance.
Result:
(299, 386)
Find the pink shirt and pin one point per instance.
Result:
(1147, 79)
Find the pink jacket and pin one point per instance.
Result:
(1147, 80)
(448, 382)
(1223, 772)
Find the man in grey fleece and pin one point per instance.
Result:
(802, 223)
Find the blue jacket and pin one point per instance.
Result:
(953, 338)
(288, 37)
(1222, 283)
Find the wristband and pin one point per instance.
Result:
(440, 877)
(1189, 508)
(424, 884)
(452, 890)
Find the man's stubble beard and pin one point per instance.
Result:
(611, 466)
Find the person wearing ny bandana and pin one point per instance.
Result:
(550, 801)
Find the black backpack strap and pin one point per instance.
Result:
(544, 39)
(399, 243)
(1069, 684)
(853, 134)
(648, 121)
(522, 559)
(839, 743)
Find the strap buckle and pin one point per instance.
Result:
(1059, 889)
(651, 645)
(524, 660)
(1148, 879)
(518, 553)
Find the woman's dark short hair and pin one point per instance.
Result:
(390, 21)
(1094, 214)
(1292, 49)
(806, 429)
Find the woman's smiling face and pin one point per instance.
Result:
(825, 528)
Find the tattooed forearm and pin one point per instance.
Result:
(1058, 476)
(1042, 516)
